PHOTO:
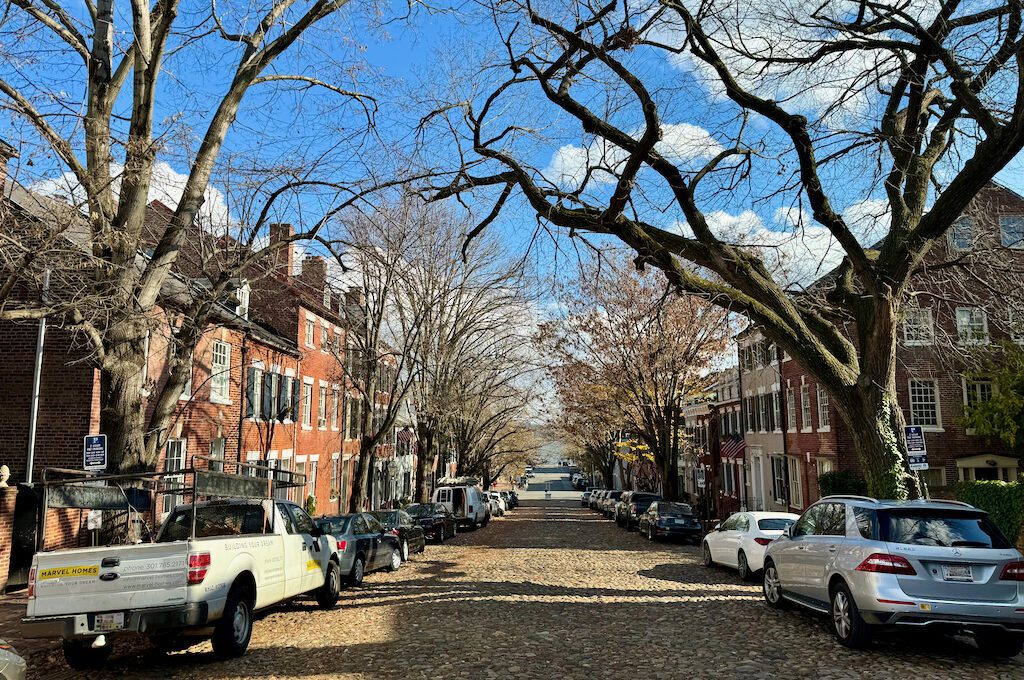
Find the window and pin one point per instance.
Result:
(285, 398)
(1011, 231)
(776, 412)
(961, 234)
(220, 372)
(796, 496)
(831, 520)
(174, 461)
(976, 392)
(779, 478)
(933, 477)
(805, 407)
(217, 454)
(762, 405)
(307, 403)
(311, 478)
(824, 466)
(242, 295)
(807, 525)
(310, 331)
(334, 408)
(321, 408)
(791, 409)
(267, 400)
(1016, 326)
(823, 417)
(918, 326)
(972, 325)
(335, 469)
(343, 488)
(867, 523)
(924, 403)
(172, 354)
(253, 392)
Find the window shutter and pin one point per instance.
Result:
(268, 396)
(296, 396)
(283, 391)
(250, 393)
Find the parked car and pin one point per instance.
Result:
(437, 521)
(670, 520)
(365, 545)
(597, 498)
(608, 502)
(510, 499)
(629, 512)
(12, 666)
(939, 565)
(467, 503)
(585, 499)
(198, 576)
(499, 506)
(410, 534)
(741, 540)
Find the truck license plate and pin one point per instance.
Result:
(957, 572)
(108, 622)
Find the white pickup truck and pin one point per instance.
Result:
(242, 555)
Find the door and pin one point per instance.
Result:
(295, 552)
(821, 548)
(734, 541)
(317, 550)
(375, 532)
(721, 540)
(444, 497)
(757, 477)
(793, 557)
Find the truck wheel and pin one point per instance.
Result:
(82, 656)
(234, 629)
(328, 594)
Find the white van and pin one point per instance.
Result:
(467, 503)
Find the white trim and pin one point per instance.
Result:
(287, 453)
(323, 383)
(336, 455)
(252, 455)
(938, 405)
(258, 363)
(307, 380)
(300, 459)
(272, 455)
(314, 458)
(289, 372)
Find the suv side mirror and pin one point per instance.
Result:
(788, 533)
(317, 532)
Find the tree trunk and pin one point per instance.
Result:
(424, 460)
(123, 408)
(364, 463)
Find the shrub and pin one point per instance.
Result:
(842, 482)
(311, 505)
(1004, 502)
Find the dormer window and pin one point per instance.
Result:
(961, 234)
(243, 300)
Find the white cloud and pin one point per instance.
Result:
(681, 142)
(167, 186)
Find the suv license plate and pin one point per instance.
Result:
(957, 572)
(108, 622)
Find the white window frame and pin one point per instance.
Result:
(777, 410)
(961, 313)
(321, 407)
(824, 419)
(967, 386)
(791, 409)
(220, 374)
(972, 225)
(796, 487)
(1003, 219)
(937, 427)
(806, 424)
(310, 332)
(243, 294)
(778, 478)
(824, 466)
(173, 463)
(172, 351)
(307, 404)
(217, 453)
(1016, 328)
(922, 339)
(335, 399)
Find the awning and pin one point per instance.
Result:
(733, 448)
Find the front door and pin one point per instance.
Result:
(793, 564)
(375, 530)
(316, 549)
(294, 552)
(822, 548)
(758, 483)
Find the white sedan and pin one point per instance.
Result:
(741, 540)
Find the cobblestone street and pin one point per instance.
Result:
(550, 591)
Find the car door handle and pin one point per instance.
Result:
(832, 548)
(305, 547)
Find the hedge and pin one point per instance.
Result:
(842, 482)
(1003, 501)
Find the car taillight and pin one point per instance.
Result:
(762, 541)
(32, 583)
(393, 532)
(198, 565)
(1013, 571)
(632, 508)
(884, 563)
(342, 545)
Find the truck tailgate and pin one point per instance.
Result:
(110, 578)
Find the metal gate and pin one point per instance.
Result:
(23, 536)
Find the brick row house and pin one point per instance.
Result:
(792, 434)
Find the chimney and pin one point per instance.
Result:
(7, 152)
(354, 297)
(314, 271)
(281, 259)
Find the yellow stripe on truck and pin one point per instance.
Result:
(80, 571)
(311, 565)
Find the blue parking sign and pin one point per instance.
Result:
(94, 452)
(917, 451)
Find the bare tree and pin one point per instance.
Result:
(915, 106)
(108, 122)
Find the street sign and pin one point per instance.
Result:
(917, 451)
(94, 452)
(700, 478)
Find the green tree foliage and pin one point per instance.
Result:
(1003, 501)
(1002, 416)
(841, 482)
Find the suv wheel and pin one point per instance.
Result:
(705, 554)
(847, 625)
(999, 644)
(772, 587)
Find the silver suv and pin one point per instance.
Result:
(921, 564)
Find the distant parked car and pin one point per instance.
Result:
(468, 503)
(12, 666)
(510, 499)
(437, 521)
(940, 565)
(585, 499)
(664, 519)
(364, 545)
(637, 505)
(741, 540)
(608, 502)
(498, 507)
(410, 534)
(597, 498)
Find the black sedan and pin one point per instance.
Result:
(410, 534)
(437, 521)
(665, 519)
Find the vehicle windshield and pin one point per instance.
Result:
(419, 510)
(213, 520)
(674, 509)
(334, 525)
(613, 494)
(948, 529)
(774, 524)
(388, 518)
(644, 498)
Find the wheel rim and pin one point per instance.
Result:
(334, 580)
(396, 559)
(240, 622)
(707, 554)
(743, 564)
(841, 614)
(771, 584)
(359, 571)
(405, 550)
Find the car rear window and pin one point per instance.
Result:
(213, 520)
(387, 518)
(950, 529)
(674, 509)
(334, 525)
(613, 494)
(774, 524)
